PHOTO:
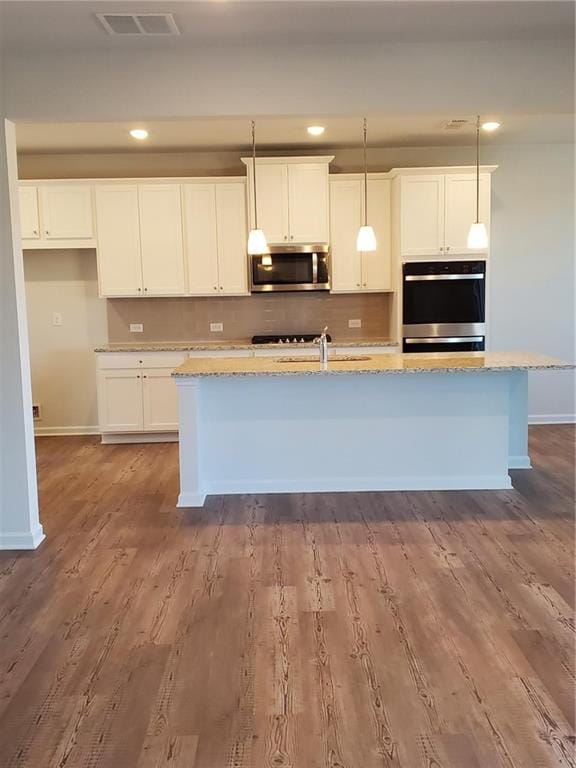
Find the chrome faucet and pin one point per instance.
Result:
(322, 342)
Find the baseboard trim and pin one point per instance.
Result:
(191, 500)
(118, 438)
(519, 462)
(22, 540)
(552, 418)
(65, 431)
(356, 484)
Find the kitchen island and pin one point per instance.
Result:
(358, 423)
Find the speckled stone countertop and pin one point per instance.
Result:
(223, 346)
(389, 363)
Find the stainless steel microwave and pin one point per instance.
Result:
(291, 268)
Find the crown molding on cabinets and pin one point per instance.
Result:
(440, 169)
(327, 159)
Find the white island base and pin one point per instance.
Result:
(351, 432)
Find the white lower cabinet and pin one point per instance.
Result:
(136, 392)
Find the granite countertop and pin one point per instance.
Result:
(389, 363)
(219, 346)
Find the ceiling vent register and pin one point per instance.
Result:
(456, 124)
(141, 24)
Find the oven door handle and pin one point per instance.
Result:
(314, 267)
(444, 340)
(419, 278)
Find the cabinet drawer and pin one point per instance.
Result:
(126, 360)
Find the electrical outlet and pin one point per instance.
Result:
(136, 328)
(216, 327)
(355, 323)
(56, 318)
(36, 411)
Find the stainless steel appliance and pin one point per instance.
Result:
(291, 268)
(444, 306)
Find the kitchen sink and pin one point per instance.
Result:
(315, 359)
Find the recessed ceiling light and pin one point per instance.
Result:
(490, 126)
(139, 133)
(315, 130)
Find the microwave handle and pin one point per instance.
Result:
(314, 267)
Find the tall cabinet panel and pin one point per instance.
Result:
(118, 225)
(377, 265)
(161, 240)
(272, 189)
(201, 238)
(308, 197)
(345, 219)
(231, 220)
(422, 215)
(461, 209)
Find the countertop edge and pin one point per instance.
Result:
(211, 347)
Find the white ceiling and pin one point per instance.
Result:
(283, 132)
(47, 25)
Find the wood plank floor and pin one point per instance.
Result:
(355, 630)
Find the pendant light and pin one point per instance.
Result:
(366, 240)
(257, 244)
(478, 235)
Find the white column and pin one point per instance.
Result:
(191, 490)
(19, 522)
(518, 457)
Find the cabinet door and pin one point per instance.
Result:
(66, 212)
(422, 215)
(160, 400)
(120, 401)
(231, 218)
(377, 265)
(461, 209)
(272, 189)
(119, 265)
(29, 222)
(345, 220)
(161, 240)
(201, 238)
(308, 202)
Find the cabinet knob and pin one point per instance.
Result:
(145, 289)
(221, 288)
(46, 232)
(441, 249)
(357, 285)
(144, 377)
(291, 237)
(139, 289)
(35, 231)
(138, 376)
(140, 361)
(447, 247)
(215, 287)
(285, 237)
(364, 284)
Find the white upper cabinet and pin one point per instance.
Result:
(353, 271)
(232, 237)
(460, 195)
(436, 211)
(29, 218)
(272, 194)
(308, 202)
(293, 198)
(200, 237)
(422, 215)
(161, 240)
(215, 237)
(118, 225)
(345, 219)
(67, 212)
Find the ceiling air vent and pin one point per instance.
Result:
(143, 24)
(456, 124)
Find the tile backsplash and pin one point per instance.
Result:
(189, 319)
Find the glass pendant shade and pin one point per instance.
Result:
(366, 240)
(257, 244)
(478, 236)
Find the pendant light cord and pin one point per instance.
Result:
(477, 169)
(365, 178)
(254, 172)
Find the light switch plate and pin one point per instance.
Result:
(355, 323)
(136, 328)
(56, 318)
(216, 327)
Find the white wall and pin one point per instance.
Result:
(19, 524)
(62, 357)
